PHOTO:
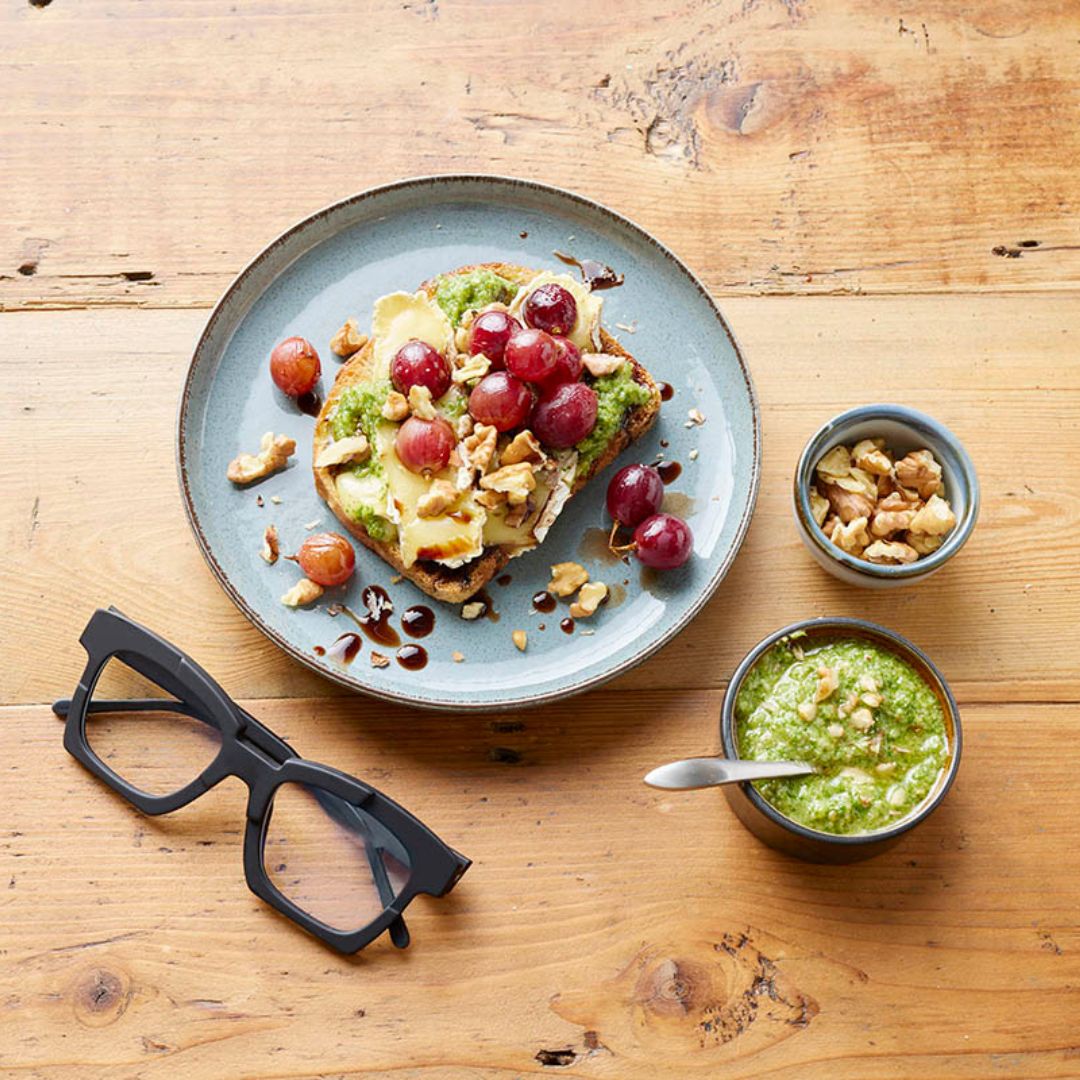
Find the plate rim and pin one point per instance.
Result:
(403, 698)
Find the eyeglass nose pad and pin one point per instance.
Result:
(399, 933)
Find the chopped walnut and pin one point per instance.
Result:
(274, 453)
(517, 481)
(828, 681)
(920, 470)
(567, 578)
(848, 505)
(348, 339)
(457, 657)
(461, 334)
(934, 519)
(862, 719)
(851, 537)
(464, 426)
(589, 599)
(523, 447)
(351, 448)
(396, 407)
(697, 418)
(302, 593)
(923, 543)
(870, 456)
(420, 402)
(807, 710)
(887, 522)
(521, 639)
(473, 610)
(475, 367)
(819, 505)
(858, 482)
(890, 551)
(490, 500)
(437, 499)
(270, 549)
(478, 449)
(597, 364)
(836, 463)
(378, 660)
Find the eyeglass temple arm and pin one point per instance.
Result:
(335, 807)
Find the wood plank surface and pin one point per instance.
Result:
(829, 147)
(604, 928)
(885, 201)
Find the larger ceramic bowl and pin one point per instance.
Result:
(335, 264)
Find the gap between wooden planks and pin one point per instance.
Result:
(658, 940)
(779, 147)
(93, 513)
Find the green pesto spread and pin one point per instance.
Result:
(458, 293)
(359, 411)
(616, 395)
(878, 739)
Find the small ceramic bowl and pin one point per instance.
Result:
(779, 831)
(903, 430)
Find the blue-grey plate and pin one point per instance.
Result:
(335, 264)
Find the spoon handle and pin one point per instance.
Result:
(705, 772)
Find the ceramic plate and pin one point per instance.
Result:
(335, 264)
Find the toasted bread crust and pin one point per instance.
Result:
(440, 582)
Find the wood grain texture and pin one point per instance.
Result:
(86, 464)
(885, 201)
(828, 147)
(661, 940)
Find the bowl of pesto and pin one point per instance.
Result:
(864, 706)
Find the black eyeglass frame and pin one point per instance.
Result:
(253, 753)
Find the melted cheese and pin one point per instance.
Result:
(402, 316)
(586, 332)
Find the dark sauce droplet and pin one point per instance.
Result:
(345, 648)
(524, 234)
(489, 607)
(319, 650)
(376, 620)
(503, 579)
(412, 657)
(309, 403)
(669, 471)
(596, 275)
(543, 601)
(567, 625)
(418, 621)
(667, 391)
(664, 444)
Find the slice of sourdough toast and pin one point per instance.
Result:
(458, 584)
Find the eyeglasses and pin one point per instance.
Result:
(326, 850)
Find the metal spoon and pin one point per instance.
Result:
(703, 772)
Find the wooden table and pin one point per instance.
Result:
(884, 199)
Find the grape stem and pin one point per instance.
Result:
(619, 549)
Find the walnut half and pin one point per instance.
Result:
(274, 453)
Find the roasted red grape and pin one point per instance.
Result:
(635, 493)
(568, 365)
(565, 415)
(531, 355)
(489, 333)
(500, 400)
(551, 308)
(327, 558)
(294, 366)
(418, 364)
(424, 445)
(663, 541)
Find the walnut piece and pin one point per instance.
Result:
(597, 364)
(567, 578)
(851, 537)
(473, 610)
(919, 470)
(475, 367)
(589, 599)
(890, 551)
(836, 463)
(302, 593)
(420, 402)
(348, 339)
(478, 449)
(858, 482)
(521, 639)
(517, 481)
(270, 549)
(437, 499)
(828, 681)
(924, 544)
(523, 447)
(490, 500)
(351, 448)
(378, 660)
(457, 657)
(274, 453)
(396, 407)
(516, 515)
(862, 719)
(819, 505)
(848, 505)
(934, 519)
(870, 456)
(887, 522)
